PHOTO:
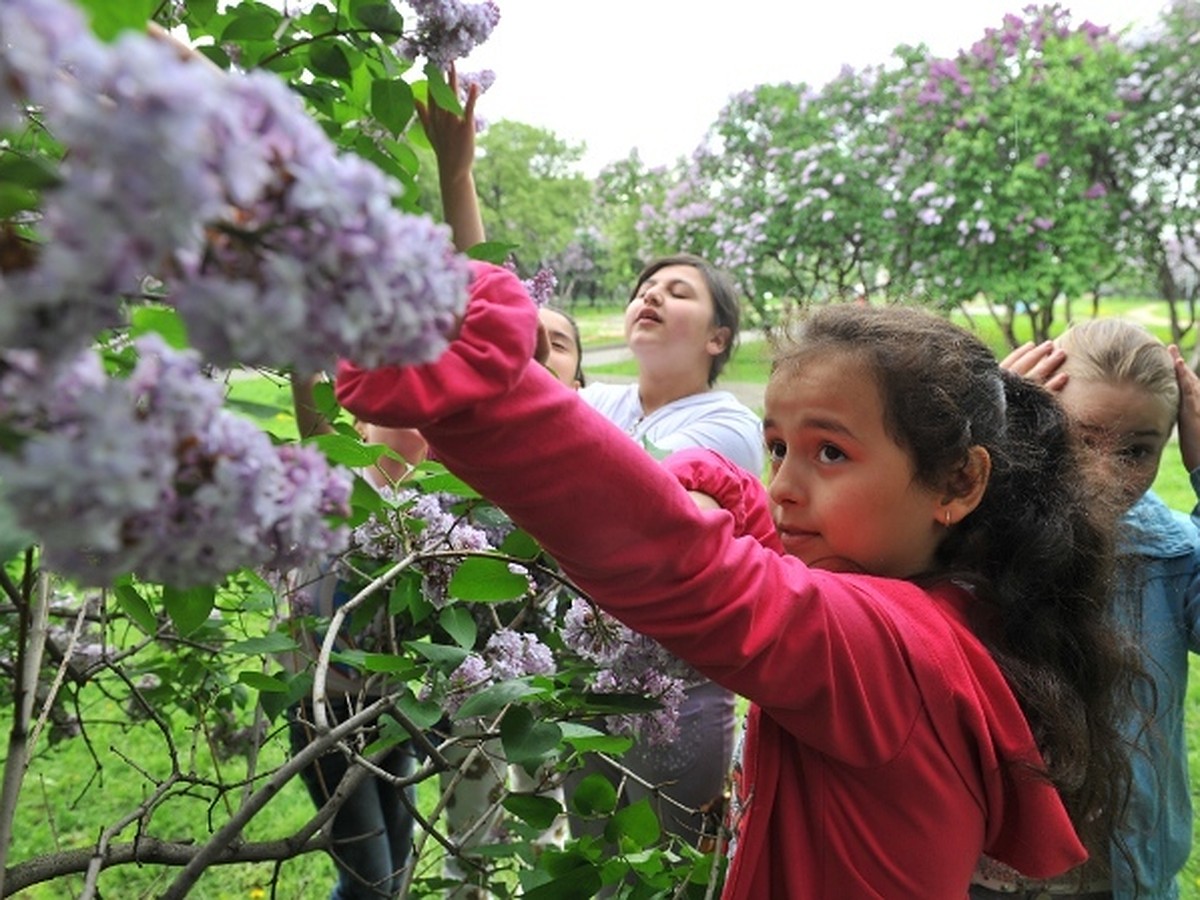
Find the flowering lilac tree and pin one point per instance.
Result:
(1163, 160)
(1012, 193)
(179, 216)
(1007, 175)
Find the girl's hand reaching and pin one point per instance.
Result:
(1189, 410)
(1040, 363)
(452, 136)
(453, 140)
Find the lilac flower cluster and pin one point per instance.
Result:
(448, 29)
(508, 654)
(277, 249)
(628, 663)
(151, 475)
(413, 521)
(541, 286)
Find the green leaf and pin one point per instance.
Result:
(15, 199)
(440, 91)
(384, 662)
(160, 320)
(521, 545)
(33, 172)
(328, 58)
(448, 658)
(273, 704)
(189, 608)
(364, 498)
(109, 19)
(494, 698)
(439, 480)
(540, 812)
(487, 579)
(460, 625)
(526, 741)
(269, 643)
(250, 23)
(634, 826)
(424, 714)
(563, 875)
(348, 451)
(216, 55)
(491, 251)
(382, 18)
(199, 12)
(578, 884)
(392, 103)
(134, 605)
(261, 682)
(407, 596)
(595, 796)
(585, 739)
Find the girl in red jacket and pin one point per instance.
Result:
(915, 607)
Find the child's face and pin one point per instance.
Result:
(843, 490)
(672, 316)
(1127, 426)
(563, 360)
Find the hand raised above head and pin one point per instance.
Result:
(451, 135)
(1189, 410)
(1040, 363)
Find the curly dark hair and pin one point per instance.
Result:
(1037, 551)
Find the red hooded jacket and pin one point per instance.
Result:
(884, 750)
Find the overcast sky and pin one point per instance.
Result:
(653, 74)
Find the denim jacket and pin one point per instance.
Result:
(1159, 601)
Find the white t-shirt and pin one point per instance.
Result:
(715, 420)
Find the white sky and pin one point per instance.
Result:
(653, 74)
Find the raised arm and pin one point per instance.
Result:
(1189, 410)
(453, 140)
(1040, 363)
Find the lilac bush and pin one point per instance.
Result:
(151, 475)
(276, 249)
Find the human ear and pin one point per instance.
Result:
(966, 487)
(719, 340)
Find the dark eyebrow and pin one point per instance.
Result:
(819, 423)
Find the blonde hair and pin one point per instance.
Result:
(1121, 352)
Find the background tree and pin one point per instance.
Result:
(1012, 193)
(1161, 166)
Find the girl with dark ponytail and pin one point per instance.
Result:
(915, 606)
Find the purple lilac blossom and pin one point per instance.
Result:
(448, 30)
(40, 38)
(541, 286)
(515, 654)
(151, 475)
(319, 263)
(628, 663)
(472, 675)
(277, 249)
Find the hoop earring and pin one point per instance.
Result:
(947, 518)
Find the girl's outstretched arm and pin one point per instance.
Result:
(453, 140)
